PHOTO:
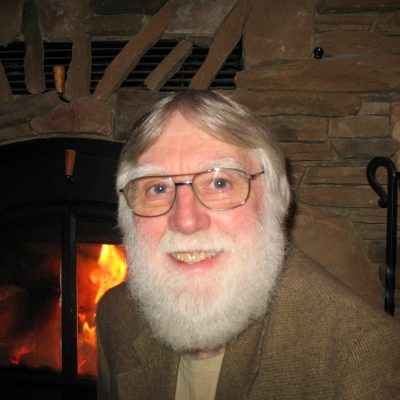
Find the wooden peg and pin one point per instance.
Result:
(70, 156)
(59, 79)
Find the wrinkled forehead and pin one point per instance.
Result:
(186, 146)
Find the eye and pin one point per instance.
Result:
(154, 187)
(157, 189)
(220, 184)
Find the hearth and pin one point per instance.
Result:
(59, 251)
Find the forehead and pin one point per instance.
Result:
(184, 147)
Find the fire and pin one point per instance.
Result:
(94, 279)
(113, 269)
(98, 268)
(16, 359)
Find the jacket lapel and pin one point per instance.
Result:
(241, 364)
(155, 370)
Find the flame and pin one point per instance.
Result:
(109, 270)
(113, 267)
(16, 359)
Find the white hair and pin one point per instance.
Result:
(223, 119)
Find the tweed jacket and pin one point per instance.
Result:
(317, 341)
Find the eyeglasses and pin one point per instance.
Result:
(216, 189)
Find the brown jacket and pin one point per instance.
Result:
(318, 341)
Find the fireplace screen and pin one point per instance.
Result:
(33, 279)
(60, 252)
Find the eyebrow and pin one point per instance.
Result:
(227, 162)
(147, 170)
(157, 170)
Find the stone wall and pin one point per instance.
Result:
(331, 115)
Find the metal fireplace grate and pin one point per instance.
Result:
(103, 52)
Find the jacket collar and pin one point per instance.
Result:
(155, 370)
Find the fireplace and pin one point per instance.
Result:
(59, 251)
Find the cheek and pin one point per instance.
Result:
(241, 219)
(152, 229)
(235, 222)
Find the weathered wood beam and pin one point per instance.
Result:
(5, 89)
(79, 72)
(133, 51)
(35, 80)
(346, 6)
(342, 43)
(169, 66)
(281, 102)
(355, 76)
(10, 20)
(225, 40)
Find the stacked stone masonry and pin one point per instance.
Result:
(331, 115)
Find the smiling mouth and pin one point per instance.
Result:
(194, 257)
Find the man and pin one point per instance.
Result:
(216, 305)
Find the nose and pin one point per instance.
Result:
(188, 215)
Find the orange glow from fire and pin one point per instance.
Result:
(94, 279)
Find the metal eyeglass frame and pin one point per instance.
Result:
(250, 178)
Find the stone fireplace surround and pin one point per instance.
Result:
(331, 115)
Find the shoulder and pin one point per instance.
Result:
(317, 330)
(115, 299)
(115, 296)
(313, 307)
(117, 311)
(306, 282)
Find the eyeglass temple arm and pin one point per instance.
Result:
(254, 176)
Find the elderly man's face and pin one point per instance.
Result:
(184, 148)
(202, 276)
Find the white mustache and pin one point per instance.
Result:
(210, 242)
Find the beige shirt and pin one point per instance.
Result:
(198, 378)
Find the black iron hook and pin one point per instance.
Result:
(387, 200)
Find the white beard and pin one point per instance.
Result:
(203, 311)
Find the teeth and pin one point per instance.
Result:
(194, 257)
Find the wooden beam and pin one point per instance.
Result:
(225, 40)
(5, 89)
(80, 68)
(35, 80)
(133, 51)
(79, 73)
(373, 74)
(169, 66)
